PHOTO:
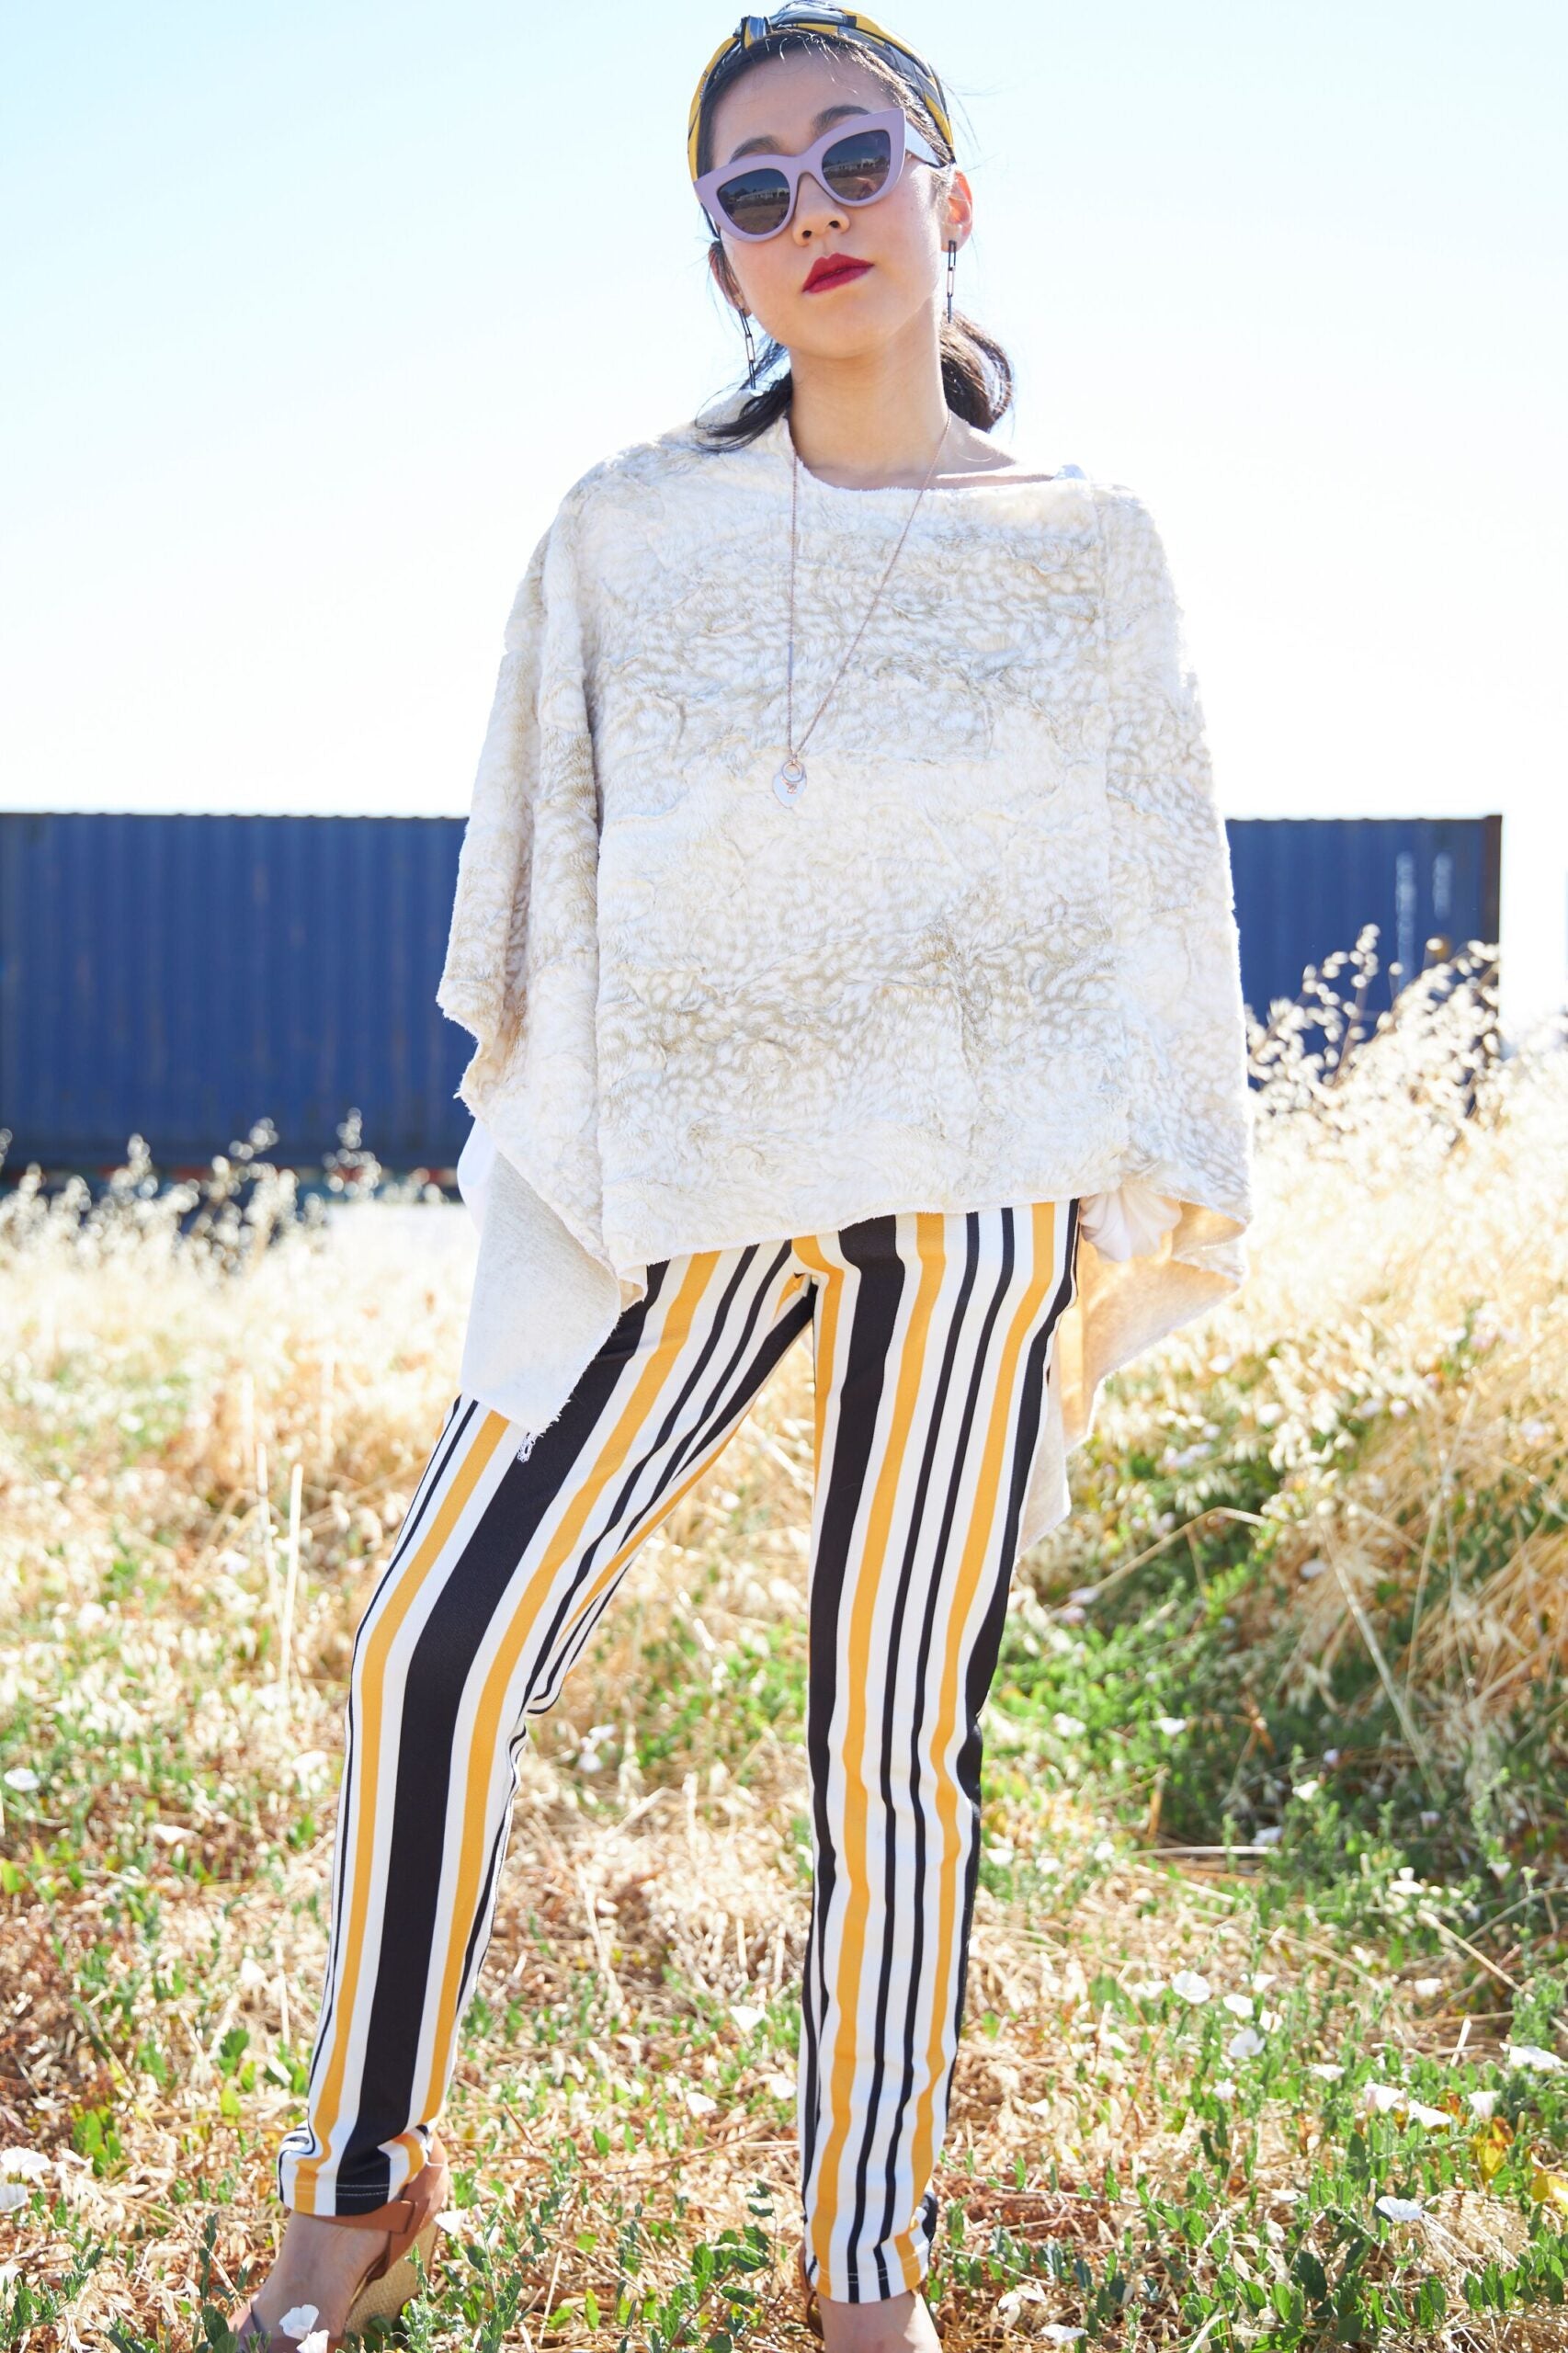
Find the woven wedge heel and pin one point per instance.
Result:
(409, 2223)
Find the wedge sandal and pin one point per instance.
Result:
(392, 2280)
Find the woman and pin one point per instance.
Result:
(843, 921)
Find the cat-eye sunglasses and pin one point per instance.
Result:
(856, 161)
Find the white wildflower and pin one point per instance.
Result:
(1270, 1835)
(1530, 2055)
(1028, 2292)
(1402, 2209)
(21, 1776)
(783, 2086)
(1307, 1790)
(1239, 2005)
(745, 2017)
(13, 2195)
(1482, 2104)
(317, 2341)
(1069, 1727)
(1428, 1986)
(298, 2320)
(1191, 1985)
(1383, 2098)
(1224, 2089)
(700, 2103)
(1327, 2070)
(1245, 2043)
(23, 2165)
(1172, 1726)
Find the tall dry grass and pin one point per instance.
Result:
(1398, 1358)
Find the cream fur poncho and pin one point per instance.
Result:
(988, 956)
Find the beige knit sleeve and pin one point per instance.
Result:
(1178, 978)
(481, 981)
(521, 968)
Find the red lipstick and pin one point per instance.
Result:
(833, 269)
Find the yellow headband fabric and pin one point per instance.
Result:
(846, 22)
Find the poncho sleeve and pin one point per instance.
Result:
(1179, 968)
(521, 970)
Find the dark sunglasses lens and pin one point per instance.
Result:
(756, 202)
(855, 167)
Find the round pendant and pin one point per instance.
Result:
(791, 781)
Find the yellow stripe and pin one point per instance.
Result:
(487, 1437)
(487, 1736)
(977, 1544)
(859, 1670)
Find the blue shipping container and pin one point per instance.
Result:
(182, 977)
(1306, 885)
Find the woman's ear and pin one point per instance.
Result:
(723, 276)
(958, 211)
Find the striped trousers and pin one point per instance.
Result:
(932, 1338)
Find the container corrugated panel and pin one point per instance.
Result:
(181, 977)
(1305, 886)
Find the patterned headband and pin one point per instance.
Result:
(800, 16)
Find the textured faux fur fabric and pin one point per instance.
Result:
(988, 955)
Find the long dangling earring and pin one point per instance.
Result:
(952, 265)
(751, 351)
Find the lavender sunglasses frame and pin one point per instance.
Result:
(905, 142)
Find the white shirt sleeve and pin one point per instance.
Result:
(1132, 1222)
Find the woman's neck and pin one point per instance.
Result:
(873, 421)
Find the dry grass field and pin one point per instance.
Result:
(1265, 2043)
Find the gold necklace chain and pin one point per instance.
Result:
(790, 780)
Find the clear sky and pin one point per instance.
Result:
(313, 310)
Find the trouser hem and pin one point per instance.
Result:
(903, 2274)
(328, 2202)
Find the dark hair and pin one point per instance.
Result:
(977, 375)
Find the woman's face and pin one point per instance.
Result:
(787, 104)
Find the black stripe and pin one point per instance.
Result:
(615, 1517)
(870, 1247)
(973, 1394)
(722, 1415)
(889, 1685)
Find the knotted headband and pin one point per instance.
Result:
(799, 16)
